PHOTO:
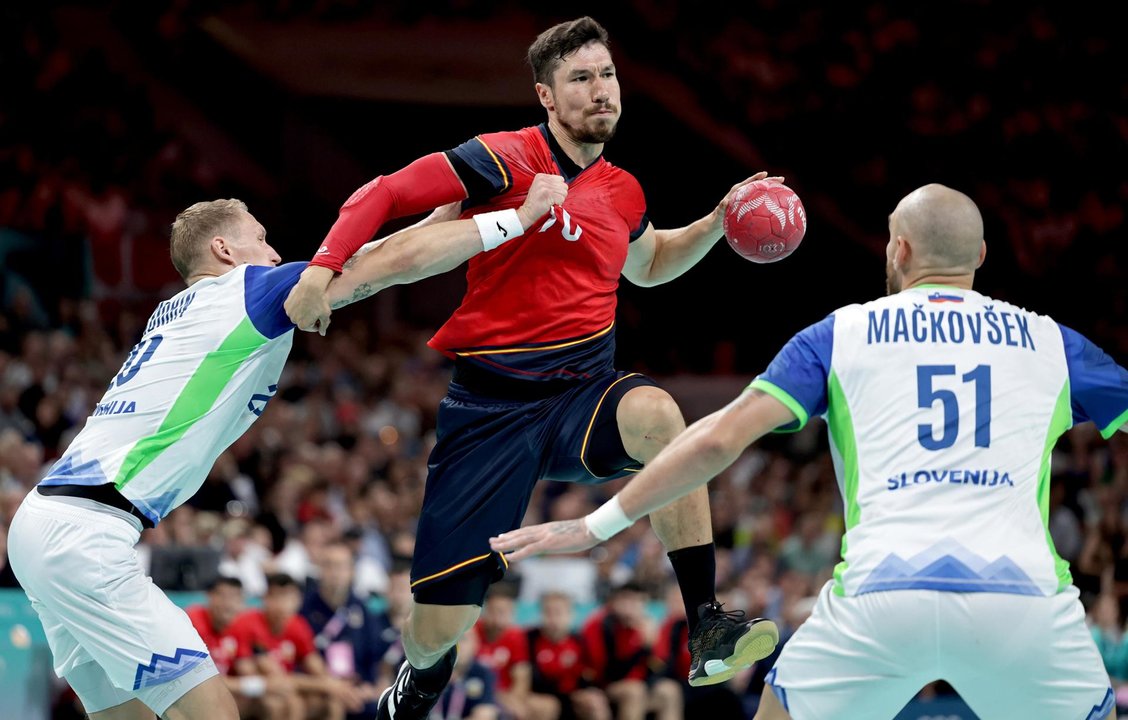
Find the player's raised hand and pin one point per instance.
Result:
(564, 536)
(545, 192)
(307, 305)
(720, 211)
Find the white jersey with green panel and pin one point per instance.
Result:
(943, 406)
(206, 365)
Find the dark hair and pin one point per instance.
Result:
(560, 41)
(631, 586)
(504, 589)
(224, 580)
(280, 580)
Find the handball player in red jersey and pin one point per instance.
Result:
(534, 392)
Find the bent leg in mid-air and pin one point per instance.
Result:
(721, 643)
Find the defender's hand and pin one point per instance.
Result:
(545, 192)
(564, 536)
(307, 305)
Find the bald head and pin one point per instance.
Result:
(944, 228)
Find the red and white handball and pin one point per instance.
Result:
(765, 221)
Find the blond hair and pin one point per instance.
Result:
(194, 228)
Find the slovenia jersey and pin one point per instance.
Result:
(206, 366)
(943, 407)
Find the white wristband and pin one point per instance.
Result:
(608, 520)
(252, 686)
(497, 227)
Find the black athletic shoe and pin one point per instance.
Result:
(725, 643)
(404, 701)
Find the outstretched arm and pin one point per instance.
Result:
(704, 450)
(659, 256)
(425, 250)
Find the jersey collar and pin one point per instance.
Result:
(568, 169)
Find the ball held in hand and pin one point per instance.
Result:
(765, 221)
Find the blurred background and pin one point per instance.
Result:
(114, 116)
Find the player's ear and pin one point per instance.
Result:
(982, 253)
(544, 94)
(221, 250)
(902, 253)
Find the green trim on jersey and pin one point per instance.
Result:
(1110, 429)
(1061, 421)
(195, 400)
(841, 427)
(931, 286)
(784, 397)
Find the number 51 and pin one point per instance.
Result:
(927, 397)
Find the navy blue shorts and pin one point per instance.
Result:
(496, 438)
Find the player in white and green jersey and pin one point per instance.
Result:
(204, 370)
(943, 407)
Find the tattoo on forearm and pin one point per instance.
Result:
(362, 291)
(362, 251)
(566, 527)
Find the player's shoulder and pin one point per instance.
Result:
(510, 141)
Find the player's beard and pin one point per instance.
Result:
(585, 133)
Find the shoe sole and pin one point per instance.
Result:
(756, 644)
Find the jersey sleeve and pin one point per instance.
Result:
(1098, 387)
(631, 202)
(483, 169)
(265, 290)
(798, 375)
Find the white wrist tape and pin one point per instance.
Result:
(608, 519)
(252, 686)
(497, 227)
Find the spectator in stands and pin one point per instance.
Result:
(503, 648)
(617, 641)
(277, 641)
(352, 639)
(258, 696)
(556, 657)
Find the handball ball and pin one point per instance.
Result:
(765, 221)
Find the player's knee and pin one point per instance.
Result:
(648, 420)
(434, 629)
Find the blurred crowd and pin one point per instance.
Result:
(1027, 95)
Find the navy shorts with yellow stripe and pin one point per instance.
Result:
(496, 438)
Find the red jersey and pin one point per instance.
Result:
(558, 665)
(221, 646)
(672, 647)
(533, 298)
(507, 650)
(253, 636)
(613, 651)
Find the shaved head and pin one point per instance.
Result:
(944, 230)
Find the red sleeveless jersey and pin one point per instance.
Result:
(538, 305)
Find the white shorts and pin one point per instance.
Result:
(113, 634)
(1008, 656)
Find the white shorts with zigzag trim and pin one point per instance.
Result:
(1008, 656)
(76, 561)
